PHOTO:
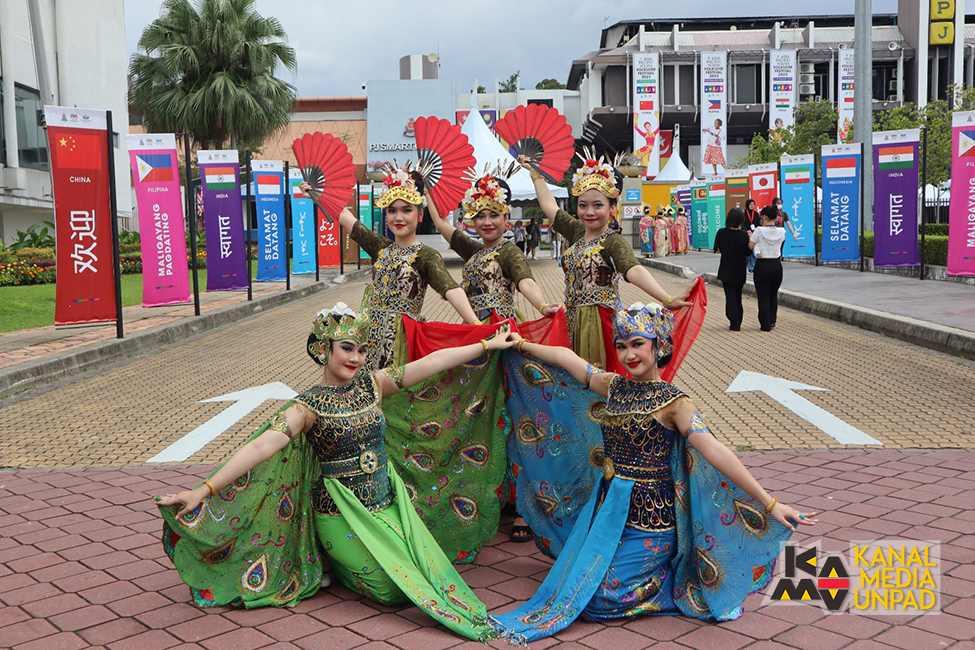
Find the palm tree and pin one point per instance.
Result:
(207, 68)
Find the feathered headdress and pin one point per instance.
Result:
(486, 193)
(649, 321)
(398, 183)
(595, 174)
(340, 323)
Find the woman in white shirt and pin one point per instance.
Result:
(766, 241)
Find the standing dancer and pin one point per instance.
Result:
(403, 268)
(677, 525)
(595, 261)
(681, 240)
(661, 234)
(495, 268)
(315, 477)
(646, 232)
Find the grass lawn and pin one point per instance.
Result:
(33, 305)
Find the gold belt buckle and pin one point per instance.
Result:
(609, 470)
(368, 462)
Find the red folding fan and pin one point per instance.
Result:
(326, 165)
(542, 134)
(444, 155)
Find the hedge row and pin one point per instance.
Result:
(935, 246)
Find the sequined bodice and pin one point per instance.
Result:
(349, 438)
(589, 278)
(639, 447)
(398, 289)
(486, 285)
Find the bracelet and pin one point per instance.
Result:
(521, 343)
(667, 301)
(536, 175)
(542, 306)
(209, 484)
(486, 348)
(771, 504)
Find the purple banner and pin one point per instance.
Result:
(223, 219)
(895, 198)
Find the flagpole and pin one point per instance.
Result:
(247, 219)
(287, 226)
(817, 217)
(191, 217)
(113, 212)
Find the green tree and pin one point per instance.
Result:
(550, 84)
(480, 89)
(510, 85)
(207, 68)
(936, 119)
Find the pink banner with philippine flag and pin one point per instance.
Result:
(155, 176)
(961, 210)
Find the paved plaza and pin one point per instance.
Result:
(81, 563)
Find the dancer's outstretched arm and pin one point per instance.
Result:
(580, 369)
(546, 201)
(439, 222)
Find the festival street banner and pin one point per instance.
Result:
(329, 244)
(155, 175)
(841, 202)
(223, 219)
(646, 111)
(716, 211)
(763, 181)
(844, 98)
(782, 98)
(895, 197)
(272, 238)
(85, 289)
(699, 213)
(303, 227)
(736, 189)
(961, 214)
(365, 213)
(799, 202)
(714, 112)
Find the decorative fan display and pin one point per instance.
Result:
(326, 165)
(542, 134)
(445, 154)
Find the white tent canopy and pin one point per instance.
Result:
(489, 150)
(674, 171)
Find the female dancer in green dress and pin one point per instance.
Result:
(494, 268)
(315, 477)
(595, 261)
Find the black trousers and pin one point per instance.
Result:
(768, 279)
(732, 304)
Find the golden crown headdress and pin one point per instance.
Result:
(649, 321)
(398, 183)
(340, 323)
(486, 193)
(595, 174)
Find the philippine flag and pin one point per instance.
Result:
(714, 104)
(966, 143)
(154, 167)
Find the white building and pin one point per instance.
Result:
(65, 53)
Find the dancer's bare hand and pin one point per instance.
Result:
(786, 514)
(502, 339)
(552, 308)
(189, 499)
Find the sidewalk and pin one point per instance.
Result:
(938, 315)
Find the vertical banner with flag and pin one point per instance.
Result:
(782, 73)
(735, 189)
(716, 211)
(763, 184)
(269, 205)
(799, 202)
(223, 219)
(78, 142)
(155, 175)
(841, 202)
(365, 213)
(714, 112)
(961, 214)
(844, 101)
(329, 246)
(699, 213)
(895, 197)
(302, 226)
(646, 111)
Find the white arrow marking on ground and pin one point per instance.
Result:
(781, 390)
(245, 401)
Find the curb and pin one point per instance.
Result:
(34, 373)
(946, 339)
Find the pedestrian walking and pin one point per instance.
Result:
(753, 219)
(519, 231)
(782, 217)
(557, 244)
(533, 236)
(732, 243)
(766, 241)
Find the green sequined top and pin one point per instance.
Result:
(400, 278)
(639, 447)
(592, 267)
(349, 438)
(491, 275)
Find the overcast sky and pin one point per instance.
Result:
(341, 45)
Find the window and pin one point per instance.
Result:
(677, 84)
(31, 138)
(746, 83)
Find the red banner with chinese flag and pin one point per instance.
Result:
(85, 290)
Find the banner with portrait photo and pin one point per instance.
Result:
(223, 219)
(714, 112)
(646, 111)
(844, 97)
(782, 97)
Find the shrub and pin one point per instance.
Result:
(128, 249)
(130, 265)
(22, 273)
(936, 229)
(39, 235)
(30, 254)
(128, 237)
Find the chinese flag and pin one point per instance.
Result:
(78, 150)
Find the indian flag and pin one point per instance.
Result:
(795, 175)
(220, 178)
(896, 157)
(782, 102)
(841, 168)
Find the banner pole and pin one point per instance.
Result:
(924, 196)
(287, 226)
(247, 218)
(191, 218)
(341, 252)
(113, 213)
(318, 271)
(863, 195)
(817, 217)
(357, 198)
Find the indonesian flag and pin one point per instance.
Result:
(841, 167)
(797, 175)
(268, 184)
(764, 181)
